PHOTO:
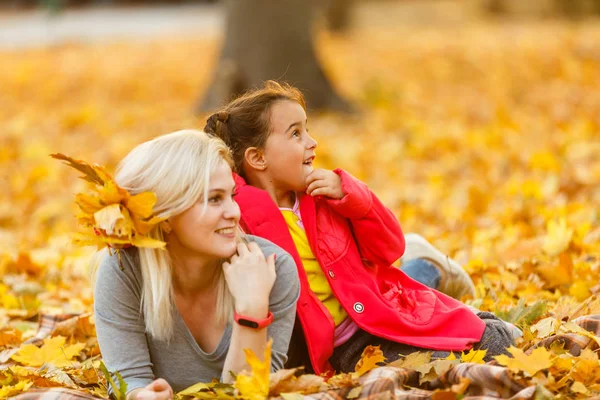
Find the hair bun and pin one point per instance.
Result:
(222, 116)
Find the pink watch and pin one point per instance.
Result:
(252, 322)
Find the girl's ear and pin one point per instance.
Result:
(255, 158)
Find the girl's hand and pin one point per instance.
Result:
(250, 278)
(157, 390)
(322, 182)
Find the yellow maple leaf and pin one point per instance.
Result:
(9, 337)
(142, 227)
(124, 227)
(111, 193)
(91, 173)
(53, 351)
(587, 367)
(412, 360)
(538, 360)
(558, 237)
(139, 241)
(578, 387)
(557, 274)
(580, 289)
(256, 385)
(473, 356)
(562, 363)
(107, 217)
(545, 327)
(191, 390)
(371, 356)
(572, 327)
(11, 390)
(88, 203)
(142, 204)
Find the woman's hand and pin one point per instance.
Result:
(323, 182)
(250, 278)
(157, 390)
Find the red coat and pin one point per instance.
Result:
(355, 240)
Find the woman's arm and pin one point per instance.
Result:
(119, 322)
(281, 302)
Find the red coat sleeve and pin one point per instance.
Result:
(376, 230)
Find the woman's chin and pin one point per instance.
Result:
(228, 250)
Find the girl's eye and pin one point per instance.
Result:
(214, 199)
(295, 134)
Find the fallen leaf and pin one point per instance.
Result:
(53, 351)
(255, 386)
(412, 360)
(538, 360)
(473, 356)
(370, 357)
(558, 237)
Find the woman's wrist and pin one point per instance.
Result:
(256, 310)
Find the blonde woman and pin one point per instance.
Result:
(169, 319)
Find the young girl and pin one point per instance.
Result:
(343, 240)
(169, 319)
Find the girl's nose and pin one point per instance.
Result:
(312, 143)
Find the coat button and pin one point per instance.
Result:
(358, 307)
(331, 274)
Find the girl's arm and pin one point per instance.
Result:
(281, 302)
(376, 230)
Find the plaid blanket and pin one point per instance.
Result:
(486, 381)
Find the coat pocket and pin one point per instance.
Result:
(416, 306)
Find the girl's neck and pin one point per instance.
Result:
(284, 198)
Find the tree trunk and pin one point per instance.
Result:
(270, 39)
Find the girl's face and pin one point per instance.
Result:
(210, 231)
(290, 150)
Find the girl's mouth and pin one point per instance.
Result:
(309, 161)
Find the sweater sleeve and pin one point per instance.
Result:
(119, 322)
(376, 230)
(282, 301)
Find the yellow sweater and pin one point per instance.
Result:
(316, 278)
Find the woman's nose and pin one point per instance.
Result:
(232, 210)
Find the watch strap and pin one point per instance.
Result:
(253, 323)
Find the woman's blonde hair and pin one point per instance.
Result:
(177, 168)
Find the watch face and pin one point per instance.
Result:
(248, 323)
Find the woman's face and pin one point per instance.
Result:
(208, 232)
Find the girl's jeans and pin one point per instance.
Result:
(422, 271)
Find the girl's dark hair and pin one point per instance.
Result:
(244, 122)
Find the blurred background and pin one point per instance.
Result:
(475, 121)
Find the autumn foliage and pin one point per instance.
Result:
(485, 140)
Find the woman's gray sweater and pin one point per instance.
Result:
(139, 358)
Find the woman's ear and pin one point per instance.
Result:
(166, 227)
(255, 158)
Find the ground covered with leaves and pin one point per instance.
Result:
(482, 137)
